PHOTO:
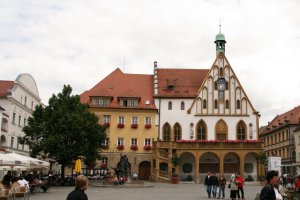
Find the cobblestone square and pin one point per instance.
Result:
(157, 192)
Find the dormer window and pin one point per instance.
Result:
(170, 84)
(170, 87)
(129, 102)
(101, 102)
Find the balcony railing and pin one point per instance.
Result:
(233, 144)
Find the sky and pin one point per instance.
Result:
(80, 42)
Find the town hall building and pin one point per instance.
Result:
(202, 118)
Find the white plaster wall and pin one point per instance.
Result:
(24, 86)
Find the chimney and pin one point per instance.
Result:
(155, 79)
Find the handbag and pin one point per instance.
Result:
(229, 185)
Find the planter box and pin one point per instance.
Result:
(147, 148)
(134, 147)
(175, 180)
(134, 125)
(121, 125)
(120, 147)
(147, 126)
(106, 125)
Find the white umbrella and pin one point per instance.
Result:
(12, 163)
(33, 163)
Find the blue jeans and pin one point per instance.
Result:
(208, 189)
(214, 190)
(222, 190)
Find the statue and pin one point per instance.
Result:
(123, 168)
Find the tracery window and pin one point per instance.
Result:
(201, 130)
(177, 132)
(241, 130)
(166, 132)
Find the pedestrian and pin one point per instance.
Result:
(208, 184)
(81, 184)
(233, 187)
(215, 184)
(297, 184)
(284, 181)
(270, 191)
(240, 183)
(222, 183)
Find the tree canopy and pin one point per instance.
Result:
(64, 130)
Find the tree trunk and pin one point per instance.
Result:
(62, 169)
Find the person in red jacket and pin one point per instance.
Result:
(240, 183)
(297, 184)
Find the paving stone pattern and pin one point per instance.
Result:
(159, 191)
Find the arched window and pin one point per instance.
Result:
(221, 71)
(177, 132)
(226, 85)
(182, 105)
(227, 104)
(201, 130)
(204, 104)
(221, 130)
(238, 104)
(170, 105)
(241, 130)
(216, 104)
(166, 132)
(216, 85)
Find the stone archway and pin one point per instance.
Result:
(144, 170)
(250, 166)
(3, 140)
(187, 167)
(209, 162)
(231, 163)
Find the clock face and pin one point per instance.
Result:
(221, 84)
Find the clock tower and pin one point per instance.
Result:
(220, 42)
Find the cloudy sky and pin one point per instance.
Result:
(79, 42)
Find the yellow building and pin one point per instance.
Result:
(124, 104)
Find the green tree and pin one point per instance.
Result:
(64, 130)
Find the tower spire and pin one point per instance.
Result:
(220, 41)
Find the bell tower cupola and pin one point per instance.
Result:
(220, 42)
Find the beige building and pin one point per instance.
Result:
(281, 140)
(125, 106)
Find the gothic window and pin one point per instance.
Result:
(241, 130)
(170, 105)
(177, 132)
(201, 130)
(221, 71)
(226, 85)
(221, 130)
(204, 104)
(227, 104)
(182, 105)
(238, 104)
(166, 132)
(216, 85)
(216, 104)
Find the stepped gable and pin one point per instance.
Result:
(5, 86)
(118, 84)
(185, 82)
(292, 117)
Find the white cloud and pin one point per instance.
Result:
(80, 42)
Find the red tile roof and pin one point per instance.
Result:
(292, 117)
(119, 84)
(5, 86)
(186, 82)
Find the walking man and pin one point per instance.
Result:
(208, 184)
(215, 184)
